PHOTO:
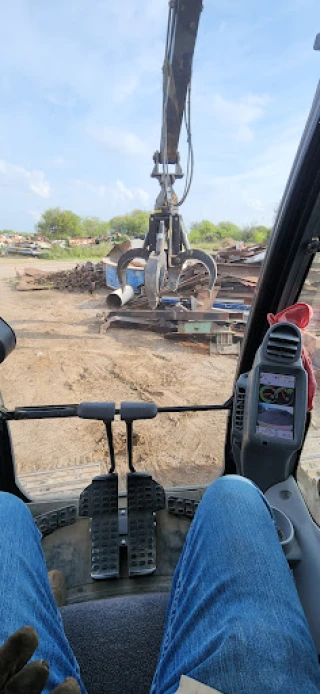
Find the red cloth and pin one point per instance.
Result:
(299, 314)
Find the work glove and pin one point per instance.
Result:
(18, 676)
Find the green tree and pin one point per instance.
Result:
(229, 230)
(203, 231)
(59, 223)
(93, 226)
(134, 224)
(256, 234)
(207, 231)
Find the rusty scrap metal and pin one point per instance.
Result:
(216, 315)
(84, 278)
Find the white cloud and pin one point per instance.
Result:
(87, 187)
(117, 192)
(52, 99)
(134, 194)
(238, 115)
(34, 180)
(122, 141)
(35, 214)
(255, 189)
(143, 196)
(253, 203)
(58, 161)
(125, 88)
(125, 192)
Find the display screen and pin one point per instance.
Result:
(276, 405)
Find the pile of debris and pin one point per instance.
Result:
(242, 254)
(82, 278)
(22, 244)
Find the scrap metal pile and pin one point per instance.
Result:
(187, 315)
(83, 278)
(242, 254)
(23, 244)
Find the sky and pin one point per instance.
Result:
(80, 106)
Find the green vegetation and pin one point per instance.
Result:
(93, 226)
(256, 234)
(134, 224)
(61, 224)
(95, 252)
(205, 233)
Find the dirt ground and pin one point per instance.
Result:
(62, 358)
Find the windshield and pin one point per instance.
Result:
(62, 357)
(83, 112)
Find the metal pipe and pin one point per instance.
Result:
(118, 298)
(59, 411)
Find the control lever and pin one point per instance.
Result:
(131, 411)
(105, 412)
(129, 428)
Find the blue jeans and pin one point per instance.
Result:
(26, 597)
(234, 619)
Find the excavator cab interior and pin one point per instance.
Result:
(118, 549)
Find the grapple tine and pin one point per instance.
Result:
(125, 259)
(204, 258)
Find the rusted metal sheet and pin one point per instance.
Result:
(180, 316)
(239, 270)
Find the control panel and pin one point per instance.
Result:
(270, 409)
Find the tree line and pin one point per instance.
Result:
(206, 231)
(56, 223)
(60, 224)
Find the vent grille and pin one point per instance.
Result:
(239, 413)
(283, 344)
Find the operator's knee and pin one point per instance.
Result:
(13, 509)
(233, 491)
(230, 486)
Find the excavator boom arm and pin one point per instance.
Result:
(184, 16)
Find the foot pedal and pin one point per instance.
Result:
(145, 497)
(133, 528)
(99, 501)
(51, 521)
(183, 507)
